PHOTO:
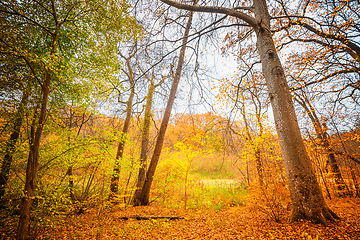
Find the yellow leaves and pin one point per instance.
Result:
(356, 137)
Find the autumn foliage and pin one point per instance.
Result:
(84, 85)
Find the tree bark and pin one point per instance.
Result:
(10, 146)
(145, 191)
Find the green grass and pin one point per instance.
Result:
(217, 196)
(213, 175)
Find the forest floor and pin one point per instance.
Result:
(243, 222)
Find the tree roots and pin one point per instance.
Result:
(319, 217)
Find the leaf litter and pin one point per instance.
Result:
(242, 222)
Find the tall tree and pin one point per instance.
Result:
(307, 199)
(145, 191)
(128, 70)
(145, 133)
(325, 52)
(323, 136)
(11, 143)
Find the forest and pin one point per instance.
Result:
(179, 119)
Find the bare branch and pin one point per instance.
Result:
(231, 12)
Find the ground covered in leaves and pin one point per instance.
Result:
(241, 222)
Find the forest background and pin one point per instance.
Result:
(90, 87)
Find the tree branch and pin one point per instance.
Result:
(231, 12)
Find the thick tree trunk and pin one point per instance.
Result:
(10, 146)
(144, 196)
(114, 184)
(33, 163)
(144, 145)
(307, 199)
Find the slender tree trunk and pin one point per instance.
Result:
(120, 151)
(70, 168)
(307, 199)
(144, 145)
(341, 186)
(71, 184)
(325, 184)
(186, 188)
(33, 163)
(248, 174)
(144, 196)
(354, 178)
(320, 130)
(10, 146)
(259, 167)
(255, 146)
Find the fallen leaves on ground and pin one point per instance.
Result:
(242, 222)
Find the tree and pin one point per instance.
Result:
(323, 136)
(144, 196)
(328, 30)
(128, 70)
(325, 53)
(11, 144)
(254, 141)
(17, 76)
(40, 36)
(307, 199)
(145, 133)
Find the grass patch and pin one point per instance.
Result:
(213, 175)
(217, 194)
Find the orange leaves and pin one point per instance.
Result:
(242, 222)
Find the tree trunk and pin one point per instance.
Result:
(33, 163)
(144, 145)
(307, 199)
(325, 142)
(114, 184)
(341, 186)
(10, 146)
(70, 168)
(354, 178)
(259, 167)
(254, 145)
(144, 196)
(71, 184)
